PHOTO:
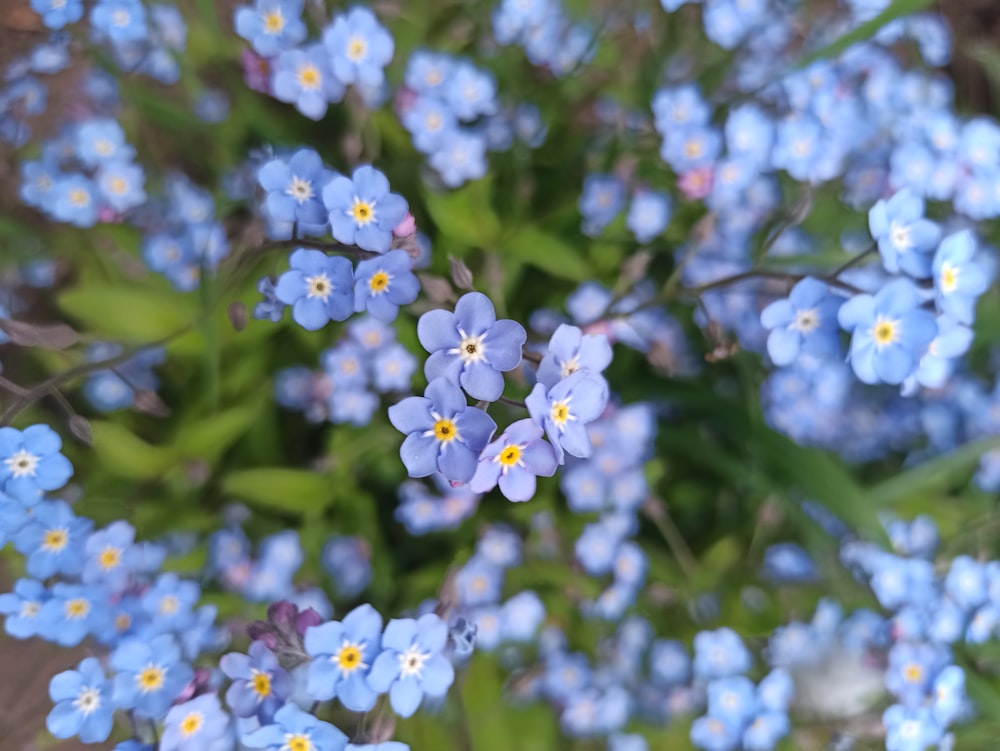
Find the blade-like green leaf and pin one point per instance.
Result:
(292, 491)
(897, 9)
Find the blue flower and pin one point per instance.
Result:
(905, 239)
(571, 350)
(648, 215)
(470, 92)
(732, 699)
(270, 307)
(294, 188)
(804, 323)
(958, 279)
(120, 20)
(30, 462)
(714, 734)
(513, 461)
(260, 686)
(359, 48)
(765, 730)
(393, 368)
(342, 653)
(83, 703)
(460, 158)
(443, 434)
(318, 287)
(122, 184)
(22, 608)
(382, 284)
(53, 539)
(302, 77)
(194, 725)
(910, 729)
(431, 123)
(75, 200)
(936, 366)
(890, 332)
(950, 700)
(294, 729)
(411, 664)
(362, 210)
(720, 654)
(602, 199)
(271, 26)
(149, 675)
(57, 13)
(170, 603)
(70, 614)
(470, 347)
(565, 409)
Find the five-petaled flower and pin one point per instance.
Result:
(514, 460)
(319, 288)
(362, 210)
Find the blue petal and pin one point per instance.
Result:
(405, 696)
(419, 455)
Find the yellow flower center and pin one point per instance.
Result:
(110, 557)
(298, 743)
(509, 456)
(949, 278)
(262, 684)
(191, 724)
(274, 22)
(123, 621)
(79, 197)
(692, 149)
(559, 413)
(77, 608)
(168, 605)
(348, 658)
(913, 673)
(362, 211)
(309, 77)
(150, 678)
(119, 185)
(357, 48)
(445, 430)
(54, 540)
(885, 332)
(379, 282)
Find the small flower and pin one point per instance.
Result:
(295, 730)
(890, 332)
(343, 652)
(382, 284)
(362, 210)
(905, 239)
(805, 322)
(359, 48)
(150, 675)
(318, 287)
(194, 725)
(302, 77)
(571, 350)
(958, 279)
(411, 664)
(566, 408)
(443, 434)
(470, 347)
(83, 703)
(53, 540)
(294, 188)
(30, 462)
(57, 13)
(271, 26)
(513, 461)
(260, 686)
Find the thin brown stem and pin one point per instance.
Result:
(512, 402)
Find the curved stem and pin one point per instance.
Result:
(512, 402)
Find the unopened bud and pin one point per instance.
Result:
(237, 312)
(438, 290)
(460, 273)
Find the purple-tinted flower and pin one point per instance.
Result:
(343, 652)
(319, 288)
(382, 284)
(362, 210)
(470, 347)
(260, 686)
(565, 409)
(905, 239)
(513, 461)
(411, 664)
(443, 433)
(571, 350)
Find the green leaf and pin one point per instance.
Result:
(126, 455)
(547, 252)
(292, 491)
(208, 438)
(897, 9)
(934, 475)
(132, 313)
(466, 214)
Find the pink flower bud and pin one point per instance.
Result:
(406, 227)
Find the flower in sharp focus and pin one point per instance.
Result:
(566, 408)
(571, 350)
(319, 288)
(890, 332)
(470, 347)
(343, 652)
(362, 210)
(382, 284)
(513, 461)
(294, 186)
(83, 703)
(149, 675)
(30, 462)
(443, 434)
(411, 664)
(194, 725)
(260, 686)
